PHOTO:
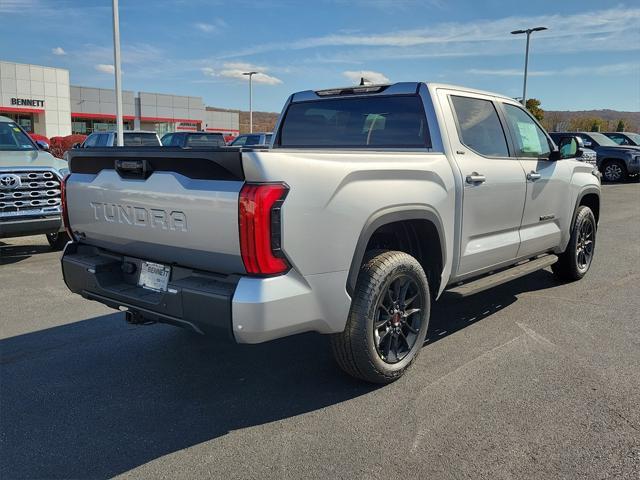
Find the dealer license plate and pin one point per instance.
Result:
(154, 276)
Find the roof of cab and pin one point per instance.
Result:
(399, 88)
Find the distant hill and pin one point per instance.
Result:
(262, 121)
(554, 120)
(558, 120)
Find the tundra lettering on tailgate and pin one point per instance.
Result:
(140, 216)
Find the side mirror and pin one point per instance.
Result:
(570, 147)
(42, 145)
(76, 145)
(588, 144)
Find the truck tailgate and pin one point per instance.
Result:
(162, 204)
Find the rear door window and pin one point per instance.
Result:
(359, 122)
(479, 126)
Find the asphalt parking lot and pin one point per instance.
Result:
(535, 379)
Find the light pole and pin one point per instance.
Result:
(250, 74)
(528, 31)
(116, 64)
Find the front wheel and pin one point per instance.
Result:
(575, 261)
(614, 171)
(388, 320)
(57, 240)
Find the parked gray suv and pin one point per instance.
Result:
(372, 202)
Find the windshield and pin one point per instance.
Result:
(14, 139)
(635, 137)
(603, 140)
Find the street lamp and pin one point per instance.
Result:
(250, 74)
(117, 73)
(528, 31)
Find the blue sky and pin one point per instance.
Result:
(589, 57)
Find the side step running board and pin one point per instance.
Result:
(504, 276)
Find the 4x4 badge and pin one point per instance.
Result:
(9, 181)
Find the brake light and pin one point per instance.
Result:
(260, 228)
(65, 210)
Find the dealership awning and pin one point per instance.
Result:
(21, 110)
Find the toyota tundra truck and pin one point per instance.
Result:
(370, 204)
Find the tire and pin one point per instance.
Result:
(58, 240)
(614, 171)
(575, 261)
(379, 343)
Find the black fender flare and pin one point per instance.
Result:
(585, 191)
(384, 217)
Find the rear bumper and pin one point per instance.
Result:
(195, 300)
(16, 227)
(248, 310)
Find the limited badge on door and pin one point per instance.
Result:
(154, 276)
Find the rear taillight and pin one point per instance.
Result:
(260, 228)
(65, 210)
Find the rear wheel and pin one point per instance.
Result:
(575, 261)
(58, 240)
(614, 171)
(388, 320)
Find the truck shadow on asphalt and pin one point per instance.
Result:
(96, 398)
(16, 253)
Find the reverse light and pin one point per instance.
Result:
(65, 210)
(260, 228)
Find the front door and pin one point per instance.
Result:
(548, 191)
(494, 186)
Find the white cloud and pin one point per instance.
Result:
(371, 76)
(58, 51)
(213, 27)
(612, 29)
(104, 68)
(236, 70)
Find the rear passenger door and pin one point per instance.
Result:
(494, 185)
(548, 200)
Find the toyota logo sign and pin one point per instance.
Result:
(9, 181)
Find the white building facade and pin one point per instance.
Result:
(41, 100)
(36, 97)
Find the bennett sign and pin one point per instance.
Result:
(27, 102)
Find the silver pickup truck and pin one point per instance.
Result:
(371, 202)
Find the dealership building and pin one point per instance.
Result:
(42, 101)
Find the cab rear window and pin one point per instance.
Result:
(140, 139)
(371, 122)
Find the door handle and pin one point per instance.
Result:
(475, 178)
(533, 176)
